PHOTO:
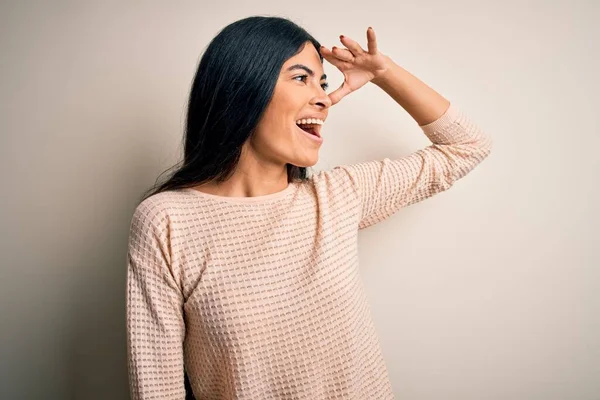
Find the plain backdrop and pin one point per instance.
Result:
(487, 291)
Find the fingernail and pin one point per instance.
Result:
(370, 28)
(341, 36)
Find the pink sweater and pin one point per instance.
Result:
(261, 297)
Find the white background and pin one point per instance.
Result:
(487, 291)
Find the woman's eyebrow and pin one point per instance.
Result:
(305, 68)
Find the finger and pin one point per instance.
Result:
(371, 41)
(343, 54)
(339, 93)
(352, 45)
(333, 59)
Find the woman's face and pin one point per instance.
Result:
(297, 95)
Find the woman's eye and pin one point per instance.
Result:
(325, 86)
(301, 76)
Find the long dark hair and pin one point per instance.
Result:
(232, 87)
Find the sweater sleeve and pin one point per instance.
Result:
(385, 186)
(155, 322)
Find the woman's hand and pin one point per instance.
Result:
(357, 65)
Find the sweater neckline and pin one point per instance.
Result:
(252, 199)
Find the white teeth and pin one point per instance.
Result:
(310, 121)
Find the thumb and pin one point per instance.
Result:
(339, 93)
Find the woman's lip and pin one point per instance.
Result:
(318, 139)
(316, 128)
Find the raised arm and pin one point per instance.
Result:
(423, 103)
(383, 187)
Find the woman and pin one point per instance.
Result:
(242, 269)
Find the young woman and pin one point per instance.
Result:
(242, 269)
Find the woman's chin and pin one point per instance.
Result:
(307, 163)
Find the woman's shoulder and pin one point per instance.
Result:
(158, 209)
(337, 181)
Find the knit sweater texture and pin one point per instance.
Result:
(261, 297)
